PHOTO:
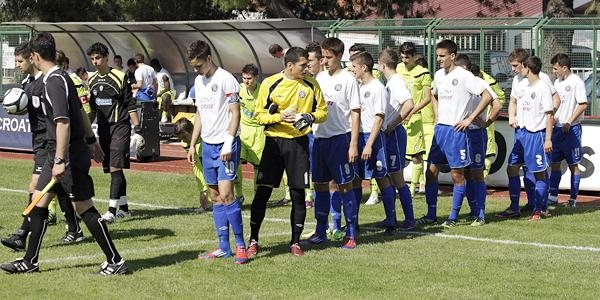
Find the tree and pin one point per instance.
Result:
(556, 41)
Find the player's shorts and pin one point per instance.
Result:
(114, 140)
(329, 160)
(76, 182)
(395, 149)
(40, 153)
(477, 144)
(528, 149)
(567, 146)
(491, 140)
(415, 142)
(376, 166)
(450, 147)
(214, 168)
(253, 143)
(197, 169)
(282, 154)
(428, 130)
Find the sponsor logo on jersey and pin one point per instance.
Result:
(103, 101)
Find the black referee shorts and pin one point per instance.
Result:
(76, 183)
(282, 154)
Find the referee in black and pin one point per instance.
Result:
(68, 162)
(113, 105)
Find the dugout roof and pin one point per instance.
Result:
(234, 42)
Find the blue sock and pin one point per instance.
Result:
(234, 216)
(336, 209)
(458, 193)
(471, 198)
(407, 204)
(431, 195)
(349, 212)
(357, 200)
(481, 195)
(541, 190)
(321, 212)
(221, 226)
(554, 182)
(575, 179)
(388, 196)
(529, 183)
(514, 191)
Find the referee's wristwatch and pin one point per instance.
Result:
(58, 161)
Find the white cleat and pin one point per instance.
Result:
(108, 217)
(373, 199)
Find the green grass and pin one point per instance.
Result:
(161, 244)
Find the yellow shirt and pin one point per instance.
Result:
(417, 79)
(495, 86)
(248, 105)
(296, 96)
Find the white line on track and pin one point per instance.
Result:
(439, 235)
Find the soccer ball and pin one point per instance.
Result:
(15, 101)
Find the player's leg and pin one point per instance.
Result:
(321, 177)
(573, 159)
(270, 172)
(396, 153)
(295, 158)
(74, 234)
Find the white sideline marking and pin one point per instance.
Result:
(440, 235)
(144, 250)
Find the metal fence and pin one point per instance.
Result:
(10, 37)
(487, 41)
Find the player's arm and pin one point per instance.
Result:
(320, 113)
(63, 135)
(405, 111)
(154, 84)
(130, 104)
(354, 134)
(499, 92)
(166, 85)
(194, 137)
(262, 114)
(233, 99)
(434, 106)
(138, 80)
(486, 99)
(555, 101)
(377, 124)
(549, 126)
(579, 110)
(512, 112)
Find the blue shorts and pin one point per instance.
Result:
(477, 146)
(376, 166)
(529, 150)
(395, 147)
(567, 146)
(450, 147)
(214, 168)
(329, 160)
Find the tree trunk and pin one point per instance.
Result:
(556, 41)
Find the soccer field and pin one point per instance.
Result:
(558, 257)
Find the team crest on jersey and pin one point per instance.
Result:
(338, 87)
(367, 94)
(455, 82)
(301, 94)
(35, 100)
(533, 95)
(101, 88)
(568, 88)
(214, 88)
